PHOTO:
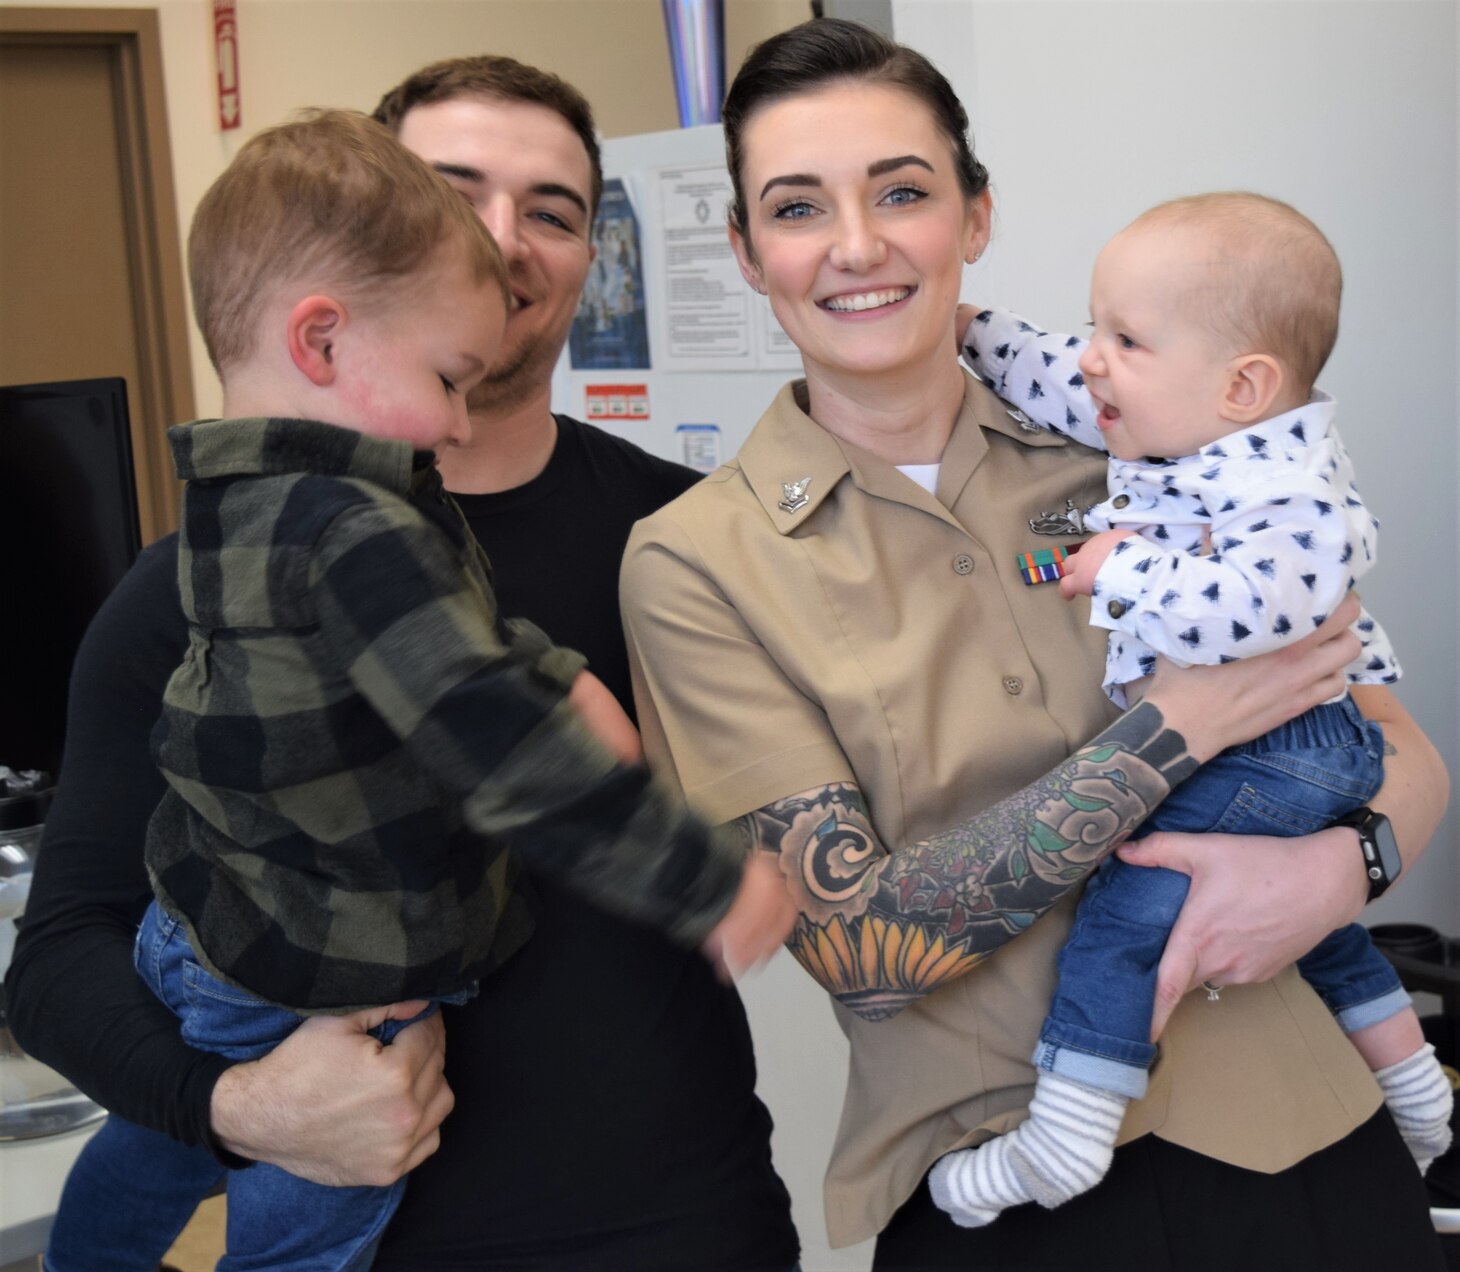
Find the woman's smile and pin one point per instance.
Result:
(857, 230)
(861, 302)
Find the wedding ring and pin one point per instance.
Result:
(1214, 992)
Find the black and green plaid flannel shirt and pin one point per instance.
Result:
(357, 749)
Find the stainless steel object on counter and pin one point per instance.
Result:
(34, 1101)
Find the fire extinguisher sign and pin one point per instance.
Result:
(225, 48)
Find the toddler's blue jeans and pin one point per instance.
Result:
(149, 1185)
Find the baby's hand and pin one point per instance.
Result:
(606, 720)
(1081, 569)
(758, 921)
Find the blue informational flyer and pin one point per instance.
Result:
(611, 330)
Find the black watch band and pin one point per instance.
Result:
(1382, 862)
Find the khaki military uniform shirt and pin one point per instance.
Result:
(879, 635)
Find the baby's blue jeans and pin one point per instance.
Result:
(1292, 781)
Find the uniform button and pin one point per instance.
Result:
(963, 564)
(1013, 685)
(1115, 609)
(1120, 501)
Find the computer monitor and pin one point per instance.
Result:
(70, 531)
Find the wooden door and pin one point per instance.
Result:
(91, 280)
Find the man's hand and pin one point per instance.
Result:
(757, 923)
(1256, 904)
(1082, 567)
(332, 1105)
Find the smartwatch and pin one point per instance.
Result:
(1382, 862)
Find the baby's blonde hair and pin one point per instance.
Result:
(1281, 283)
(331, 197)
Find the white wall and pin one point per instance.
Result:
(1087, 113)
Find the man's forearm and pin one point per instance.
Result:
(113, 1039)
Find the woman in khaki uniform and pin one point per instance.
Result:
(832, 644)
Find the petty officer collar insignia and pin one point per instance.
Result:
(793, 495)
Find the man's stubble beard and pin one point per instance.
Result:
(509, 384)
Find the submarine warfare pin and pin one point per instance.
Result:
(1071, 521)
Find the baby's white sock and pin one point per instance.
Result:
(1062, 1150)
(1420, 1099)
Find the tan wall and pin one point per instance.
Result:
(297, 53)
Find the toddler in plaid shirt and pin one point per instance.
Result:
(357, 747)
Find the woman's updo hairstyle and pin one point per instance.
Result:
(820, 52)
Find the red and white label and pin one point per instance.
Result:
(617, 401)
(225, 49)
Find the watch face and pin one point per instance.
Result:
(1388, 848)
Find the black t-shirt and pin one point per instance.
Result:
(616, 1066)
(556, 543)
(605, 1115)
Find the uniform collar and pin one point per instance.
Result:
(259, 447)
(787, 448)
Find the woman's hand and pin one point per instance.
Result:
(333, 1105)
(1217, 707)
(1256, 904)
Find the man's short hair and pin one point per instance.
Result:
(331, 196)
(1280, 284)
(504, 79)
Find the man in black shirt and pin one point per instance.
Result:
(605, 1116)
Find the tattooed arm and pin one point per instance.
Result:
(734, 714)
(882, 925)
(879, 928)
